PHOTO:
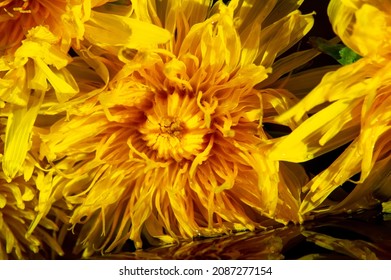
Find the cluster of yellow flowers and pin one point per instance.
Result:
(145, 120)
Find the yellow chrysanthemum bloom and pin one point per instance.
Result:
(175, 146)
(355, 102)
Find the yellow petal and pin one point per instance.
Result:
(282, 8)
(41, 43)
(17, 137)
(348, 82)
(309, 139)
(288, 30)
(112, 30)
(289, 63)
(3, 202)
(62, 81)
(386, 207)
(13, 87)
(44, 185)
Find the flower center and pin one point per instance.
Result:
(174, 128)
(170, 127)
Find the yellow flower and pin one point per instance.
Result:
(354, 104)
(175, 146)
(35, 73)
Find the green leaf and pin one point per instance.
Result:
(339, 52)
(348, 56)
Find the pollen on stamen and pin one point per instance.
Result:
(23, 9)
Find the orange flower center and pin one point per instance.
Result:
(170, 127)
(174, 128)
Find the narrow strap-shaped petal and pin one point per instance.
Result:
(113, 30)
(17, 137)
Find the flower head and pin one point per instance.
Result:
(355, 110)
(175, 146)
(35, 71)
